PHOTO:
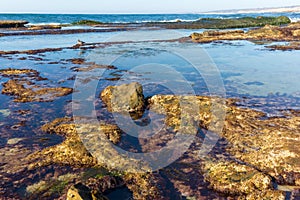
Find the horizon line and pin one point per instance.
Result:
(145, 13)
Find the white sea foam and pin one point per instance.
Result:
(295, 19)
(44, 24)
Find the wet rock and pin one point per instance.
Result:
(236, 179)
(26, 91)
(87, 22)
(50, 187)
(105, 183)
(267, 194)
(92, 67)
(270, 145)
(71, 151)
(43, 27)
(10, 71)
(82, 192)
(13, 141)
(124, 98)
(143, 186)
(77, 61)
(296, 33)
(266, 33)
(287, 47)
(12, 23)
(36, 51)
(18, 74)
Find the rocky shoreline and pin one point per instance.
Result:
(259, 153)
(256, 156)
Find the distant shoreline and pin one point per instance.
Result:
(257, 10)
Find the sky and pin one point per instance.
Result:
(134, 6)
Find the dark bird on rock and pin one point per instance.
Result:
(79, 42)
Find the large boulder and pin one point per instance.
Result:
(126, 98)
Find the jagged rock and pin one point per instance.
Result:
(124, 98)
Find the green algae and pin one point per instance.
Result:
(87, 22)
(218, 23)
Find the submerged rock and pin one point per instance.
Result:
(26, 91)
(286, 47)
(126, 98)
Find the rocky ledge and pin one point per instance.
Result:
(267, 33)
(23, 88)
(12, 23)
(217, 23)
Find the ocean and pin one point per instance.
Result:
(129, 18)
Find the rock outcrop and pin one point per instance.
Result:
(217, 23)
(12, 23)
(126, 98)
(266, 33)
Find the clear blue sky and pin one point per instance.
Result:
(135, 6)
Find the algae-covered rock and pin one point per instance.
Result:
(218, 23)
(144, 186)
(43, 27)
(71, 151)
(126, 98)
(267, 194)
(26, 91)
(22, 86)
(236, 179)
(87, 22)
(268, 144)
(266, 33)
